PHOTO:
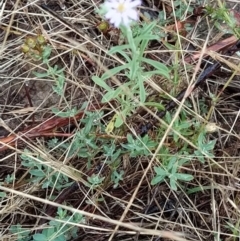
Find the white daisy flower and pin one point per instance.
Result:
(121, 11)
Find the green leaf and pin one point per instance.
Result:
(46, 184)
(174, 168)
(157, 179)
(184, 125)
(125, 55)
(48, 232)
(160, 171)
(154, 104)
(200, 189)
(143, 46)
(58, 90)
(147, 29)
(101, 83)
(172, 162)
(95, 180)
(128, 33)
(147, 38)
(201, 139)
(3, 194)
(130, 138)
(112, 94)
(116, 177)
(119, 49)
(112, 72)
(163, 69)
(142, 91)
(37, 173)
(184, 177)
(209, 146)
(53, 70)
(199, 156)
(169, 46)
(173, 184)
(116, 49)
(108, 96)
(60, 79)
(40, 237)
(46, 53)
(119, 121)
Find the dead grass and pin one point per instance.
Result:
(135, 210)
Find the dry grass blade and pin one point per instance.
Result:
(70, 171)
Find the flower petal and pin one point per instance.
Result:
(132, 14)
(110, 14)
(110, 5)
(126, 21)
(117, 22)
(134, 4)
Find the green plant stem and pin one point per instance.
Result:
(135, 54)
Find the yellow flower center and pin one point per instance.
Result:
(121, 8)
